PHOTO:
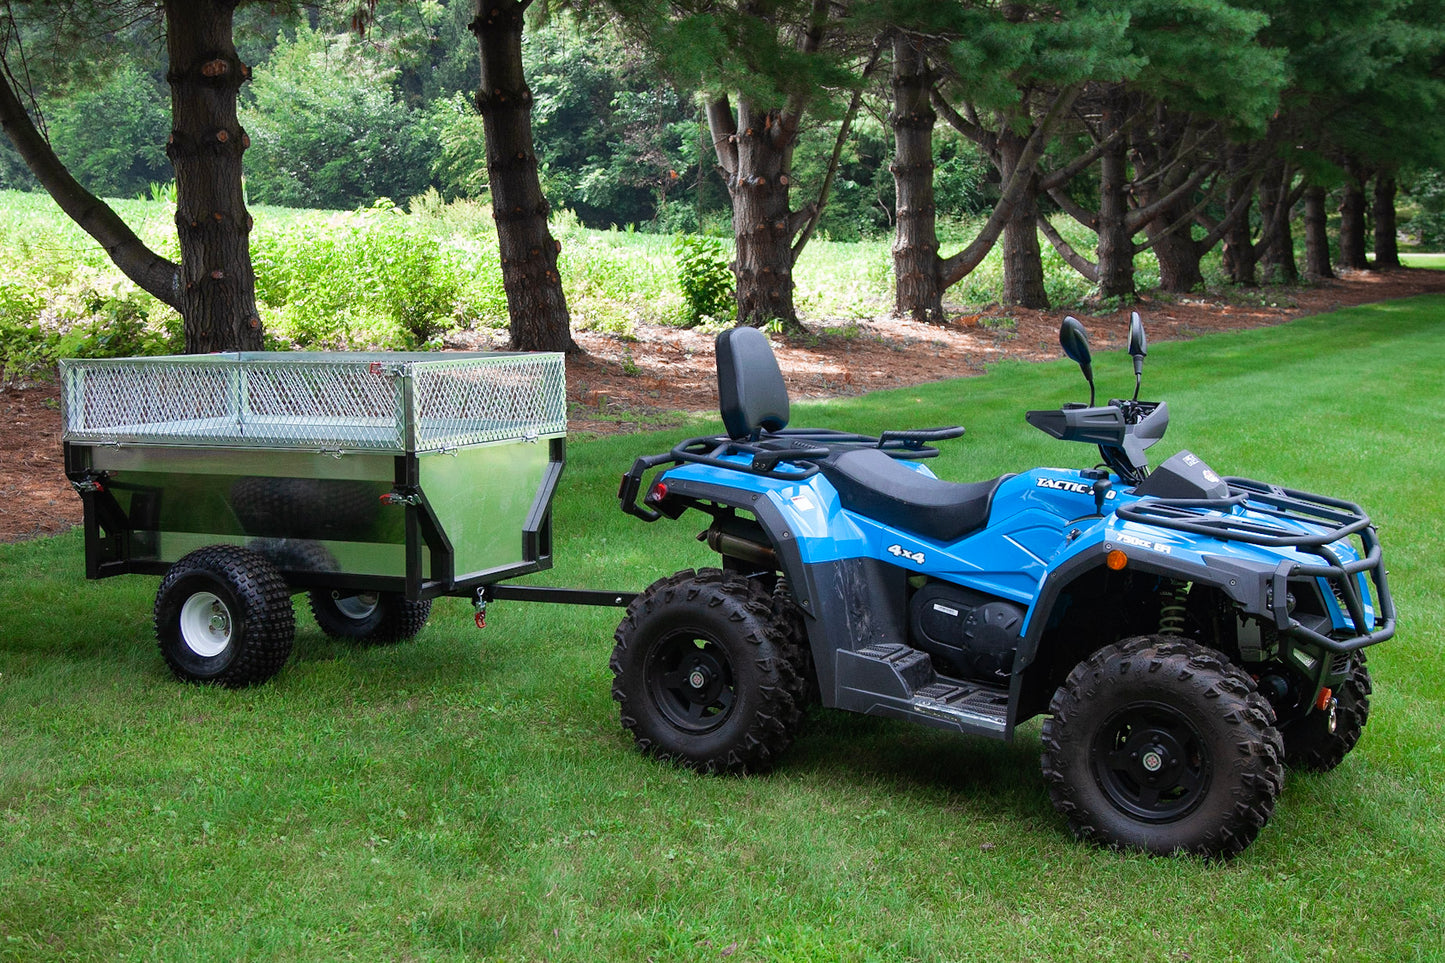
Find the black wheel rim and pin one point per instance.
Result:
(1151, 761)
(691, 681)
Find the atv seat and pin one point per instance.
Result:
(872, 484)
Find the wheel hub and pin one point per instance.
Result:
(691, 682)
(1148, 759)
(205, 625)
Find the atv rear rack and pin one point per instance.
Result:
(787, 445)
(1339, 519)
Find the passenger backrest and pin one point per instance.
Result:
(751, 395)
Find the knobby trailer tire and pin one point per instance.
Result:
(378, 617)
(223, 616)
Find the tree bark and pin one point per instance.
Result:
(1317, 236)
(917, 290)
(152, 273)
(1115, 245)
(1174, 246)
(536, 303)
(1352, 220)
(1276, 261)
(1240, 259)
(1387, 245)
(754, 149)
(218, 285)
(1023, 265)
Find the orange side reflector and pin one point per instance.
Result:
(1116, 560)
(1323, 702)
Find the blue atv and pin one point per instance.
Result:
(1187, 635)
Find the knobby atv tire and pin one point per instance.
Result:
(1162, 745)
(223, 617)
(788, 620)
(1310, 744)
(702, 676)
(378, 617)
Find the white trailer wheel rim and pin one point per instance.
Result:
(357, 606)
(206, 625)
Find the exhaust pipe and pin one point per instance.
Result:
(735, 546)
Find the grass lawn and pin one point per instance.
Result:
(1436, 261)
(470, 795)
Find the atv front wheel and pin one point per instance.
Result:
(702, 675)
(1162, 745)
(380, 617)
(1320, 741)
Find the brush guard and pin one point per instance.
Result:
(1340, 520)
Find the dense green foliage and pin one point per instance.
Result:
(386, 278)
(703, 275)
(471, 796)
(328, 128)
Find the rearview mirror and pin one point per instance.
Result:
(1075, 343)
(1138, 340)
(1138, 349)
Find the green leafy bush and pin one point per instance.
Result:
(707, 282)
(112, 324)
(366, 280)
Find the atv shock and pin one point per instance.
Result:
(1173, 608)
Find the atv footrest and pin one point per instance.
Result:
(975, 705)
(900, 681)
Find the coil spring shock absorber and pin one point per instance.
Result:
(1173, 601)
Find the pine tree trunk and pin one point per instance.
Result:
(918, 289)
(1240, 259)
(1352, 221)
(1023, 264)
(1387, 245)
(1175, 248)
(1276, 260)
(536, 303)
(1317, 236)
(218, 286)
(1116, 246)
(762, 220)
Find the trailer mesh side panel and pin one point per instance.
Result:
(342, 401)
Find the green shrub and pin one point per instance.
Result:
(366, 280)
(108, 325)
(707, 283)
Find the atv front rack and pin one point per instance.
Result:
(1336, 519)
(770, 451)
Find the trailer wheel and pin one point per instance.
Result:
(1320, 741)
(1162, 745)
(701, 674)
(223, 616)
(381, 617)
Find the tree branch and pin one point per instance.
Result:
(815, 210)
(1073, 258)
(724, 129)
(956, 267)
(152, 273)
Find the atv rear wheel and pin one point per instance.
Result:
(1320, 741)
(702, 675)
(1162, 745)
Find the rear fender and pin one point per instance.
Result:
(847, 603)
